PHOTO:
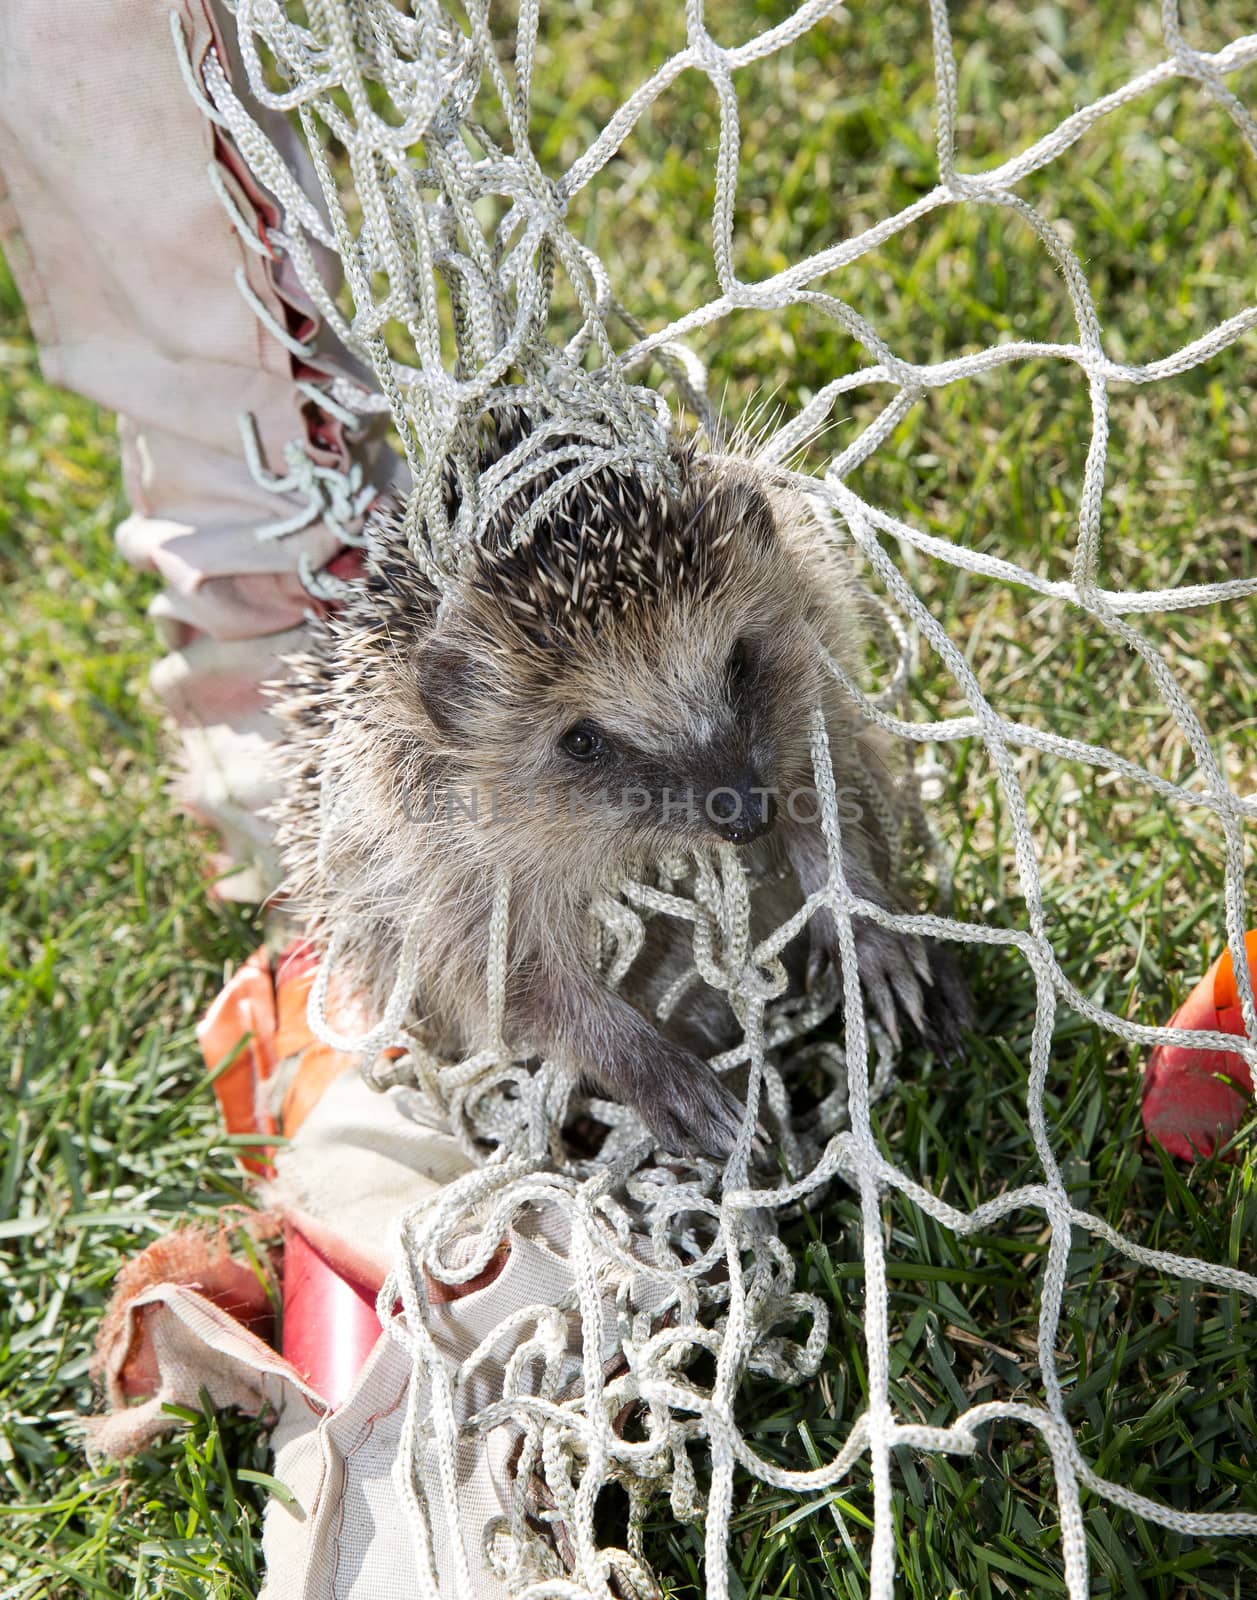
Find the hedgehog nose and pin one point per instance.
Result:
(742, 809)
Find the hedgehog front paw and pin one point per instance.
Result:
(903, 976)
(687, 1107)
(906, 976)
(895, 972)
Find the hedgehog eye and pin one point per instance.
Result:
(582, 742)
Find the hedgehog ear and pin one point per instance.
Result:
(755, 513)
(742, 504)
(447, 680)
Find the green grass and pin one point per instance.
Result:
(109, 949)
(109, 952)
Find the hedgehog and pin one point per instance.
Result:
(632, 681)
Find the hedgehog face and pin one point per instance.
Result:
(679, 720)
(680, 730)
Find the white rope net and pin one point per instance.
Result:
(456, 250)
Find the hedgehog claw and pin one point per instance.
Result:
(906, 978)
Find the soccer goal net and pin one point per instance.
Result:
(464, 282)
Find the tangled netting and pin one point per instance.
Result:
(453, 243)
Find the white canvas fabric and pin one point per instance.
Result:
(145, 297)
(357, 1162)
(360, 1163)
(356, 1540)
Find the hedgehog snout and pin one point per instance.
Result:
(741, 809)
